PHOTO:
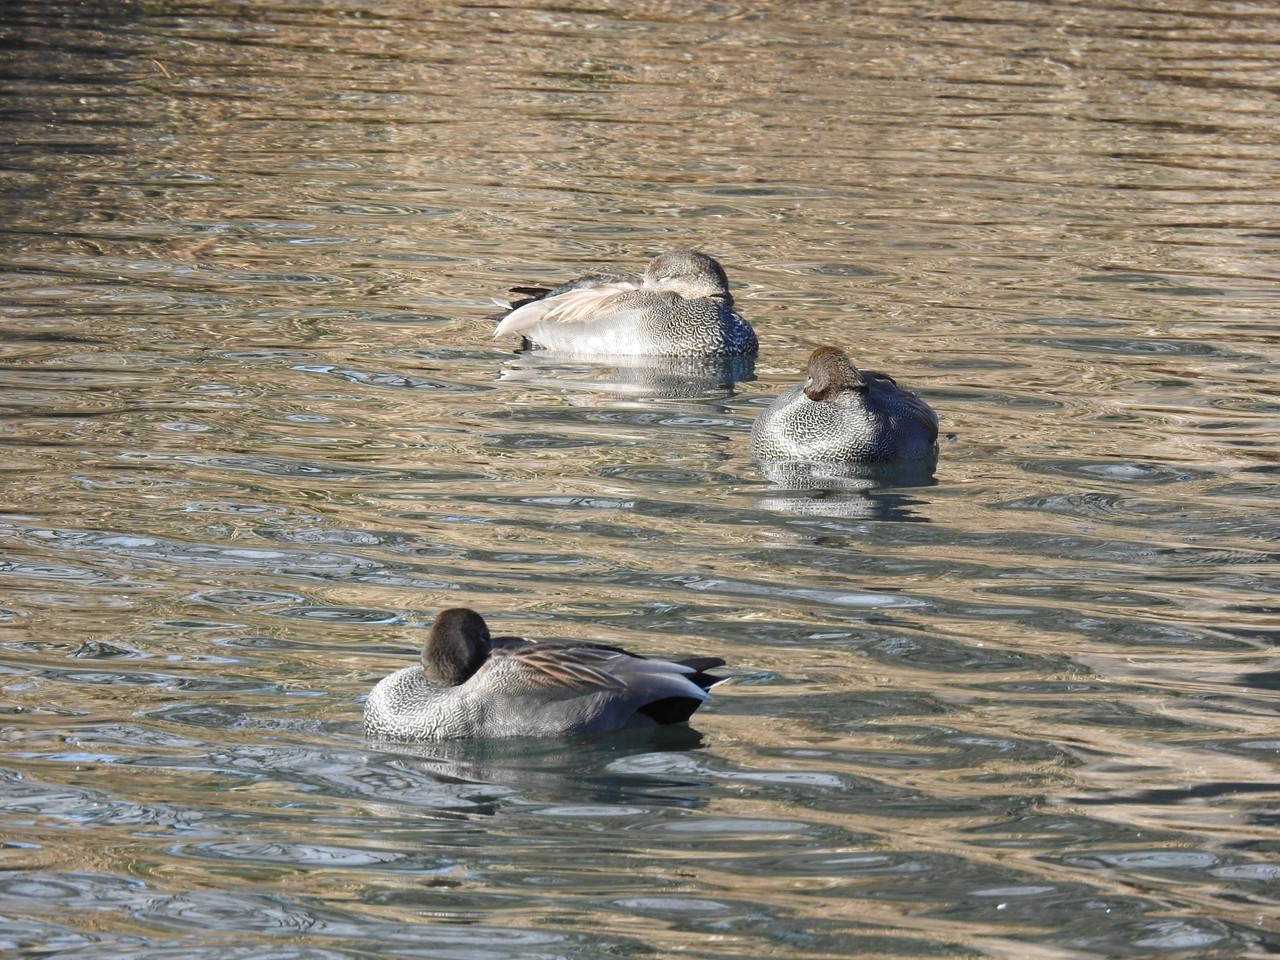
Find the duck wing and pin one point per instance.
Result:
(575, 305)
(877, 376)
(903, 402)
(586, 688)
(589, 655)
(555, 671)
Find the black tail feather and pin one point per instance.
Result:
(701, 664)
(528, 294)
(670, 709)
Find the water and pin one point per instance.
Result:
(256, 432)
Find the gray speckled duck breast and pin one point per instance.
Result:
(679, 307)
(471, 685)
(844, 414)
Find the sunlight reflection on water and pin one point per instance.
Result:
(1019, 703)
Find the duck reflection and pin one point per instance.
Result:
(653, 377)
(582, 770)
(860, 491)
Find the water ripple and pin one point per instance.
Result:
(257, 433)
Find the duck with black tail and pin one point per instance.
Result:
(471, 685)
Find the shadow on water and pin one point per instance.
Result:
(578, 769)
(471, 777)
(659, 378)
(863, 491)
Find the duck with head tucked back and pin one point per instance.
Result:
(471, 685)
(843, 414)
(679, 307)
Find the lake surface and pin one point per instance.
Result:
(256, 432)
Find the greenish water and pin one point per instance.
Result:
(254, 432)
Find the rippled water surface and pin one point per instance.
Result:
(256, 432)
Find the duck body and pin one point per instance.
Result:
(473, 686)
(679, 307)
(842, 414)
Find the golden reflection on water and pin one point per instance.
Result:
(256, 432)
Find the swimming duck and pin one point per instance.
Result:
(844, 414)
(471, 685)
(679, 307)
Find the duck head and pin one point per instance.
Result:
(457, 645)
(831, 372)
(689, 274)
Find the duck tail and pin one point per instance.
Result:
(699, 665)
(670, 710)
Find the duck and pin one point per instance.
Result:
(472, 685)
(845, 415)
(679, 307)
